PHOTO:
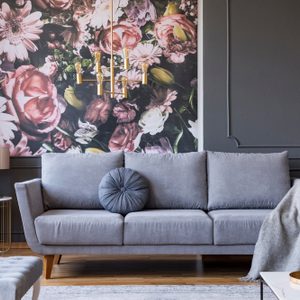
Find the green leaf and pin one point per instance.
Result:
(177, 140)
(191, 99)
(175, 129)
(62, 131)
(70, 69)
(48, 147)
(86, 63)
(182, 109)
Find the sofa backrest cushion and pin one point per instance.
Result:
(246, 180)
(72, 180)
(175, 180)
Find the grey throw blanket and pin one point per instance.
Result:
(278, 245)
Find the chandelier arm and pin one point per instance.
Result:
(89, 80)
(117, 67)
(116, 93)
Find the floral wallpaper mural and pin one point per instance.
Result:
(42, 109)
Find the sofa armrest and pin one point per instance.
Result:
(30, 200)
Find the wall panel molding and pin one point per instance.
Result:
(230, 135)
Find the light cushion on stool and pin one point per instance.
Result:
(17, 275)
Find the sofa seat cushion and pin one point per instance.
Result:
(167, 227)
(79, 227)
(237, 226)
(176, 180)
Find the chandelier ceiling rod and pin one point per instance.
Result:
(112, 65)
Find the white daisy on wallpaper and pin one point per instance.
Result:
(18, 30)
(145, 53)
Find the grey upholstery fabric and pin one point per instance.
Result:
(79, 227)
(30, 201)
(17, 275)
(123, 190)
(237, 226)
(72, 180)
(149, 249)
(168, 226)
(242, 180)
(176, 180)
(159, 231)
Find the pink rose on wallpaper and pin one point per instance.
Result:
(123, 138)
(57, 4)
(124, 112)
(125, 35)
(98, 110)
(35, 101)
(177, 36)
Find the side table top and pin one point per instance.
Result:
(5, 198)
(280, 284)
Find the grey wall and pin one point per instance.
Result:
(263, 112)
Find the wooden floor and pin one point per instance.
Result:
(135, 270)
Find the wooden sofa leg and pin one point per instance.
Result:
(57, 259)
(48, 264)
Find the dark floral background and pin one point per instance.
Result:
(43, 110)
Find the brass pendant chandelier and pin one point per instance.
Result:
(101, 79)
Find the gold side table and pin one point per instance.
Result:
(5, 224)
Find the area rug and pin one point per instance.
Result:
(153, 292)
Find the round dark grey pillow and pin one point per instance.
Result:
(123, 190)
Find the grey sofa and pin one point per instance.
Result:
(200, 203)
